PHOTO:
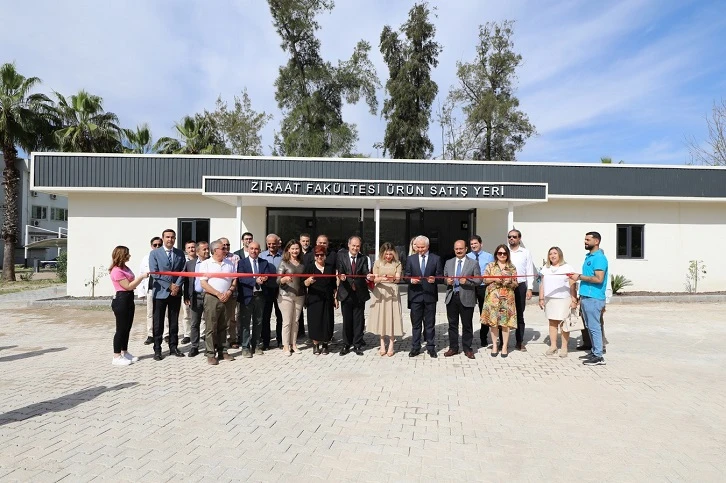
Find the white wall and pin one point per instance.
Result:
(675, 233)
(99, 222)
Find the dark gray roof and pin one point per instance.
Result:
(62, 170)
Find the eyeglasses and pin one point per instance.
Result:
(503, 254)
(319, 255)
(225, 244)
(512, 236)
(156, 245)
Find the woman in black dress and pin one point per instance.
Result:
(320, 301)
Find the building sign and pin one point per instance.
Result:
(375, 189)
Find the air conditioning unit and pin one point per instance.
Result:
(52, 197)
(36, 222)
(33, 194)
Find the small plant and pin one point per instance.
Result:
(696, 272)
(619, 282)
(61, 268)
(27, 276)
(96, 275)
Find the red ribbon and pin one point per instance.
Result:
(328, 275)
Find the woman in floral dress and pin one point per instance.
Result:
(499, 308)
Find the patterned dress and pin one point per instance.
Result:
(499, 307)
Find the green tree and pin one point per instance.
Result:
(239, 127)
(138, 141)
(609, 160)
(84, 126)
(410, 88)
(196, 136)
(310, 91)
(714, 152)
(485, 94)
(24, 123)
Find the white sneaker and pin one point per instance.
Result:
(130, 357)
(120, 361)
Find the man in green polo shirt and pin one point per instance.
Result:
(593, 283)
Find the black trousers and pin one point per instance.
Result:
(168, 307)
(353, 319)
(484, 331)
(455, 310)
(123, 308)
(520, 301)
(197, 309)
(423, 314)
(271, 303)
(301, 323)
(249, 322)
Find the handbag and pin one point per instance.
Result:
(572, 322)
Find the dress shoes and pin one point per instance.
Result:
(226, 357)
(469, 354)
(185, 340)
(358, 351)
(450, 352)
(149, 340)
(583, 347)
(432, 353)
(194, 352)
(212, 361)
(414, 352)
(176, 352)
(158, 356)
(344, 351)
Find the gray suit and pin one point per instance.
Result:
(460, 301)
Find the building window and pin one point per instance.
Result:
(59, 214)
(630, 241)
(39, 212)
(192, 229)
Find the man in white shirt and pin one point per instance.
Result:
(142, 291)
(232, 311)
(522, 260)
(218, 297)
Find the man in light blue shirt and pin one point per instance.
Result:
(593, 284)
(273, 255)
(483, 258)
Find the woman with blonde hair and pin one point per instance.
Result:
(500, 310)
(122, 304)
(557, 297)
(292, 294)
(385, 309)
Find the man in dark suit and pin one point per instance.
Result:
(251, 298)
(194, 296)
(423, 294)
(352, 293)
(167, 292)
(461, 298)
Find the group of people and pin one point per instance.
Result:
(234, 294)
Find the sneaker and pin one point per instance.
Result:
(595, 361)
(587, 356)
(131, 357)
(246, 354)
(120, 361)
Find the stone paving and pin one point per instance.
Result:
(656, 412)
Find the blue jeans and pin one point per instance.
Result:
(591, 312)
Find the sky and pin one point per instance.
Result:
(631, 80)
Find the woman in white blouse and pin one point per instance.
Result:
(557, 297)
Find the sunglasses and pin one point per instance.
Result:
(156, 245)
(319, 255)
(504, 254)
(512, 236)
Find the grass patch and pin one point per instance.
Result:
(22, 286)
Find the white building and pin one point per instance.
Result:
(43, 216)
(653, 219)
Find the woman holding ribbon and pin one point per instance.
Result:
(557, 297)
(385, 309)
(499, 309)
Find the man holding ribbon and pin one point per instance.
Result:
(461, 298)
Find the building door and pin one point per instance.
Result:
(192, 229)
(443, 228)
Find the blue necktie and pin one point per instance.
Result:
(423, 264)
(458, 274)
(254, 266)
(169, 253)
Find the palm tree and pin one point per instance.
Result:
(138, 141)
(197, 136)
(84, 126)
(24, 123)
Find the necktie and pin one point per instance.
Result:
(423, 264)
(170, 257)
(254, 266)
(477, 256)
(352, 271)
(458, 274)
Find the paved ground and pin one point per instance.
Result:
(656, 412)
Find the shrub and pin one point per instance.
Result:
(618, 282)
(61, 267)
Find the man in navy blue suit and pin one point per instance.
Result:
(167, 292)
(251, 298)
(423, 294)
